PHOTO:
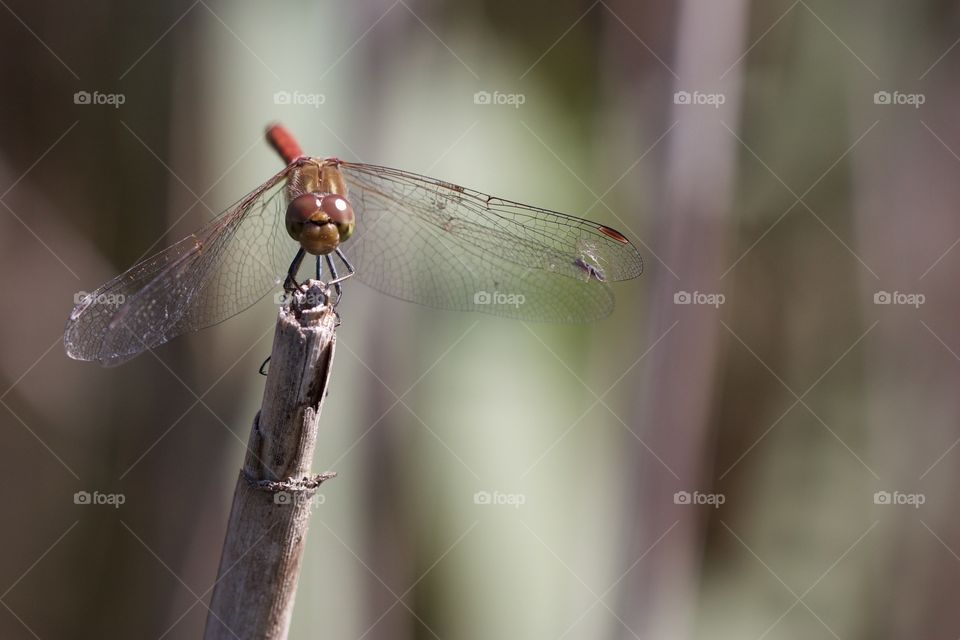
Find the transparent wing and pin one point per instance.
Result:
(442, 245)
(219, 271)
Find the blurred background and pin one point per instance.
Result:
(760, 442)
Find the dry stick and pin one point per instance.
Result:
(260, 564)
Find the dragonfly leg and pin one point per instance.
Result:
(291, 282)
(263, 367)
(350, 269)
(334, 280)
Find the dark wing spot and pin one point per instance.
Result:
(612, 234)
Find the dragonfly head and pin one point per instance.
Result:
(320, 222)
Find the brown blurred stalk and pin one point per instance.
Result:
(260, 563)
(692, 246)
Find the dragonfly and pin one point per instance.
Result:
(409, 236)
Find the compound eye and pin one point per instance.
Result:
(302, 209)
(340, 213)
(319, 222)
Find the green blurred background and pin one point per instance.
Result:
(798, 412)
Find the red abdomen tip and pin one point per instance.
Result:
(283, 143)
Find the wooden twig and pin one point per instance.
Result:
(260, 563)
